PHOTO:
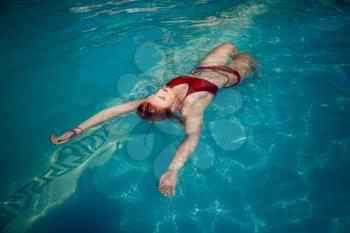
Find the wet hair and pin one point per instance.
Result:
(150, 112)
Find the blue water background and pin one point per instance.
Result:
(286, 168)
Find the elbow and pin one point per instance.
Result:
(228, 45)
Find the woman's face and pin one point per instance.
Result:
(163, 98)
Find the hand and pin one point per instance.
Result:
(167, 183)
(64, 138)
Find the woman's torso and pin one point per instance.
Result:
(202, 99)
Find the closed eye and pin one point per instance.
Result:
(162, 97)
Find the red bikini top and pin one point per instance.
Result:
(197, 84)
(194, 84)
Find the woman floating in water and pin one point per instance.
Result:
(188, 94)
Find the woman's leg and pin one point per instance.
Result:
(245, 64)
(219, 55)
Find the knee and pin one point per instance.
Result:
(228, 45)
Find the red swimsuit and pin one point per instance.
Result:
(197, 84)
(194, 84)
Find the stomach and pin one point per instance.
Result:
(218, 79)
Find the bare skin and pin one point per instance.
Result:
(191, 108)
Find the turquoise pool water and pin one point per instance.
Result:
(274, 152)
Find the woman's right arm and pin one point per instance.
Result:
(98, 118)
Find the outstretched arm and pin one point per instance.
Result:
(109, 113)
(98, 118)
(193, 126)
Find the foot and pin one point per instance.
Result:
(167, 183)
(245, 64)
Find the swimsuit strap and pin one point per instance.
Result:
(222, 68)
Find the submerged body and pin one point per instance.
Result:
(190, 95)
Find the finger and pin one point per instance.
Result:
(163, 192)
(64, 138)
(168, 190)
(54, 139)
(162, 189)
(173, 191)
(59, 141)
(66, 134)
